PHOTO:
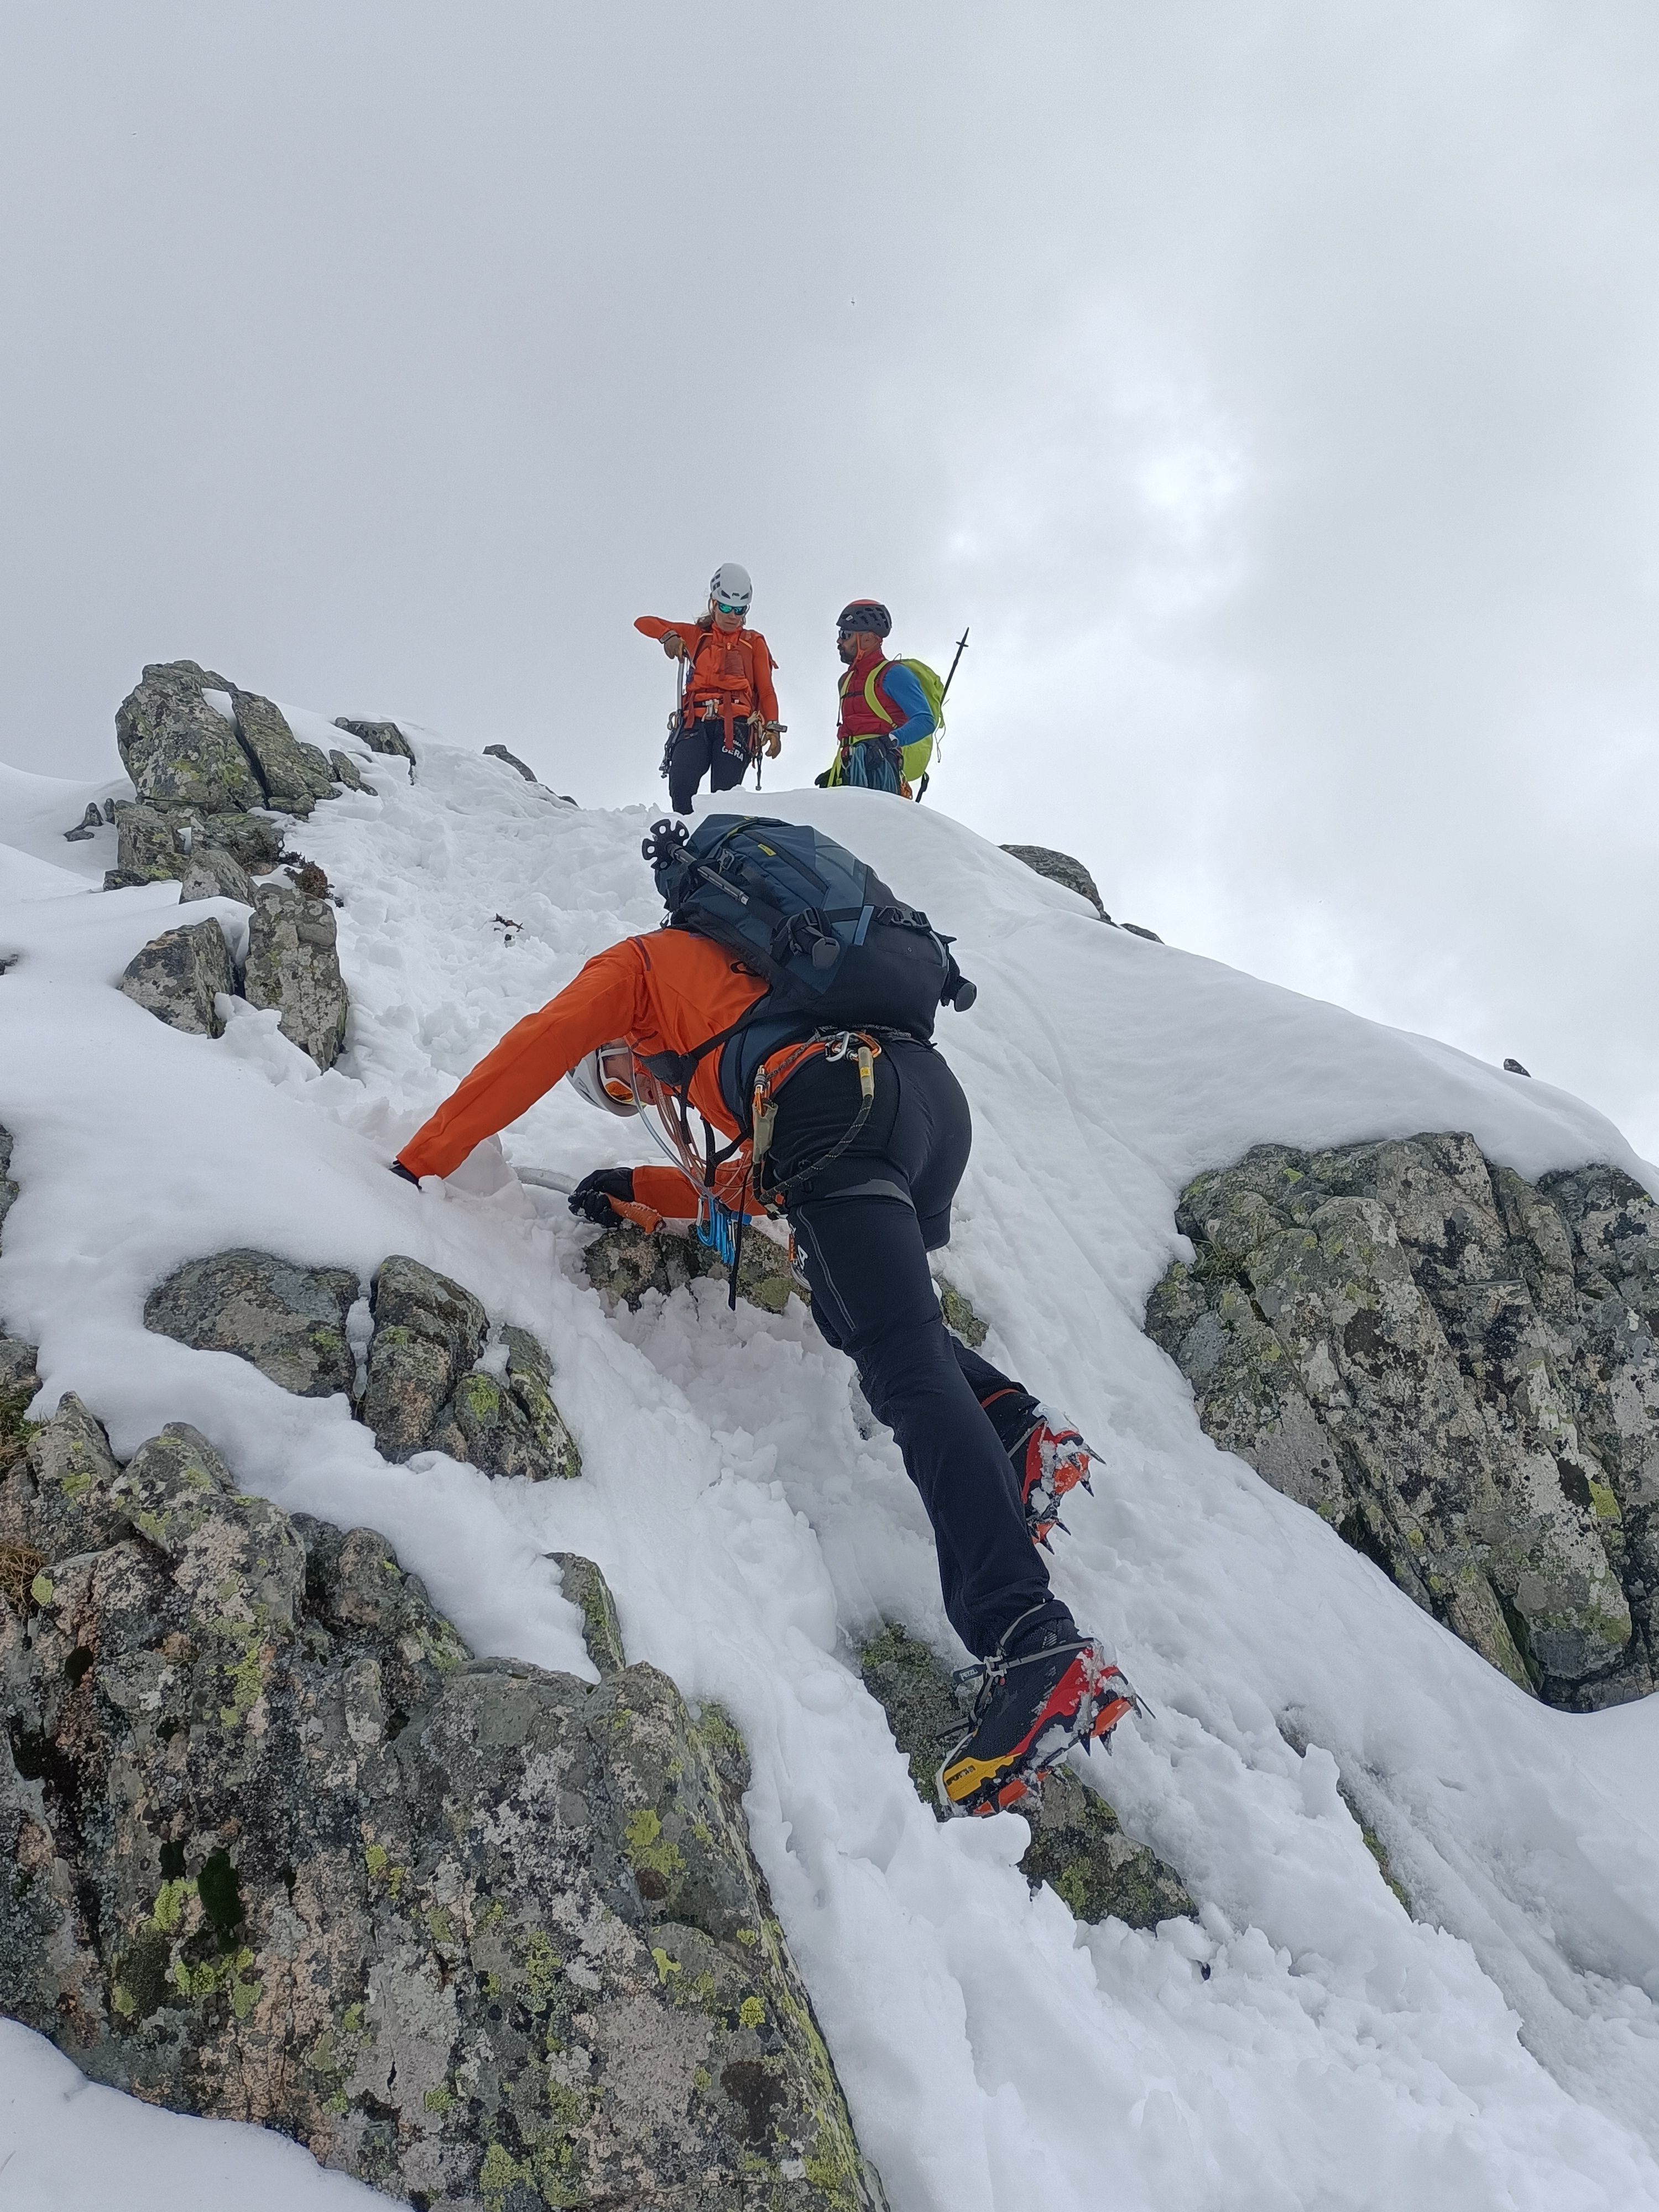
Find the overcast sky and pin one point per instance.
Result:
(1273, 387)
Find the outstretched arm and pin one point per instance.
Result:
(603, 1002)
(676, 637)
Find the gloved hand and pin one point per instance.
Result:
(592, 1195)
(673, 645)
(823, 782)
(772, 739)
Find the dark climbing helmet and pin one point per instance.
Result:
(863, 614)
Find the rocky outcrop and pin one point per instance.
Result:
(178, 976)
(346, 771)
(428, 1332)
(586, 1589)
(432, 1379)
(624, 1263)
(293, 774)
(432, 1386)
(212, 873)
(501, 753)
(277, 1850)
(378, 736)
(202, 755)
(157, 844)
(89, 826)
(1458, 1371)
(1061, 868)
(294, 964)
(181, 750)
(7, 1187)
(1077, 1846)
(502, 1418)
(288, 1321)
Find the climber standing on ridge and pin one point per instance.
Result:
(886, 733)
(801, 1034)
(728, 710)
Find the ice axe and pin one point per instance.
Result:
(777, 728)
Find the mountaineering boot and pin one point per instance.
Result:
(1029, 1708)
(1049, 1458)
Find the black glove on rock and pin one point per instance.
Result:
(592, 1195)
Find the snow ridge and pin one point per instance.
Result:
(1307, 2041)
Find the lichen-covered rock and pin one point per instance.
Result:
(506, 1421)
(180, 750)
(1077, 1846)
(428, 1332)
(212, 873)
(501, 753)
(346, 771)
(1458, 1371)
(178, 976)
(1061, 868)
(959, 1316)
(158, 844)
(294, 964)
(586, 1587)
(478, 1935)
(18, 1377)
(7, 1187)
(56, 1500)
(378, 736)
(89, 826)
(287, 1321)
(625, 1263)
(295, 774)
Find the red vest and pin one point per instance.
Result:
(858, 719)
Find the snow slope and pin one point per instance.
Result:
(1311, 2044)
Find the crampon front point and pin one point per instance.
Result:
(1028, 1714)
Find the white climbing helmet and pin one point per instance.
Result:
(729, 587)
(605, 1079)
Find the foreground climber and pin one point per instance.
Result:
(859, 1134)
(728, 711)
(885, 734)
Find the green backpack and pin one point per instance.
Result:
(916, 756)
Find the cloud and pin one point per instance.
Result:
(1269, 388)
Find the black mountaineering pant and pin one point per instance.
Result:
(699, 750)
(865, 1226)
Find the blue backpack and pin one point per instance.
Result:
(834, 947)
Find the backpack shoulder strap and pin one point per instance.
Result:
(873, 698)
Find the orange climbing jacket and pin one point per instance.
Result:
(729, 673)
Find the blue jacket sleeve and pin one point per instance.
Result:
(904, 692)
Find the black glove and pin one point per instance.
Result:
(823, 782)
(592, 1195)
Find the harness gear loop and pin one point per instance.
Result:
(833, 1044)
